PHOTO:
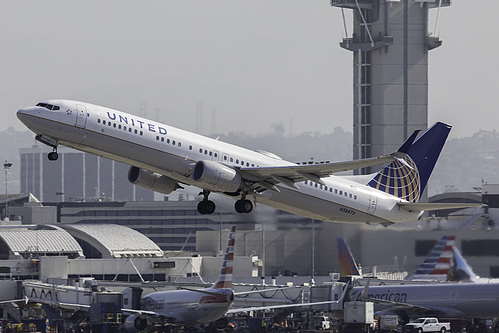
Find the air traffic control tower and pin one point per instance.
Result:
(390, 41)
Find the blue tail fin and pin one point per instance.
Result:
(407, 177)
(347, 262)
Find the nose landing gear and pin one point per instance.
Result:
(53, 156)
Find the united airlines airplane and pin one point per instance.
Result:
(163, 158)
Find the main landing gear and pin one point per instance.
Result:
(206, 206)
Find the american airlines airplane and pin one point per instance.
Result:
(163, 158)
(443, 300)
(190, 307)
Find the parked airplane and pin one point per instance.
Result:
(200, 306)
(443, 300)
(189, 306)
(443, 263)
(163, 157)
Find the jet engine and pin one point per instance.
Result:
(151, 180)
(216, 177)
(135, 323)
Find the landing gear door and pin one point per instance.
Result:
(372, 205)
(81, 116)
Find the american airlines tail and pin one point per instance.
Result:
(348, 266)
(437, 265)
(407, 177)
(225, 277)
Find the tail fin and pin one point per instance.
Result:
(225, 277)
(437, 265)
(347, 261)
(407, 177)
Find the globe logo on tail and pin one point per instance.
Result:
(399, 178)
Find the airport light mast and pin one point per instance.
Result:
(6, 167)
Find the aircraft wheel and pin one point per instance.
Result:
(243, 206)
(202, 207)
(53, 156)
(247, 206)
(238, 206)
(210, 207)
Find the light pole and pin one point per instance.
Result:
(6, 167)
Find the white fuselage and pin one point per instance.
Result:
(189, 307)
(447, 300)
(173, 152)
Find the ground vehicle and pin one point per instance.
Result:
(322, 323)
(427, 325)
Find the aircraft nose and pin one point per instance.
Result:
(25, 114)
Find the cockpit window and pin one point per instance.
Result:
(49, 106)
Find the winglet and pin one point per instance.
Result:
(364, 295)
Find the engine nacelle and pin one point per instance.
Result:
(135, 323)
(152, 181)
(216, 177)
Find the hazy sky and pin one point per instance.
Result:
(251, 63)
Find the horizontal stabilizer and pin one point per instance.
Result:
(421, 206)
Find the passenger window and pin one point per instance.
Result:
(104, 122)
(141, 133)
(114, 125)
(98, 121)
(190, 147)
(136, 131)
(179, 144)
(157, 137)
(119, 126)
(200, 150)
(225, 158)
(162, 139)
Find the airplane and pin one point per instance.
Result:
(164, 158)
(443, 263)
(189, 306)
(442, 300)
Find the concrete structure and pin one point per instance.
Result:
(390, 44)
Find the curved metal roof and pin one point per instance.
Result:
(40, 239)
(115, 240)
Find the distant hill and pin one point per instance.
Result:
(464, 163)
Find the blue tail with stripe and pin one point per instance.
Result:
(407, 176)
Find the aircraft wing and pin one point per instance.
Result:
(268, 177)
(420, 206)
(142, 312)
(282, 306)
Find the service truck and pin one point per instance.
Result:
(421, 325)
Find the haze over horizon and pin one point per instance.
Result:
(252, 65)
